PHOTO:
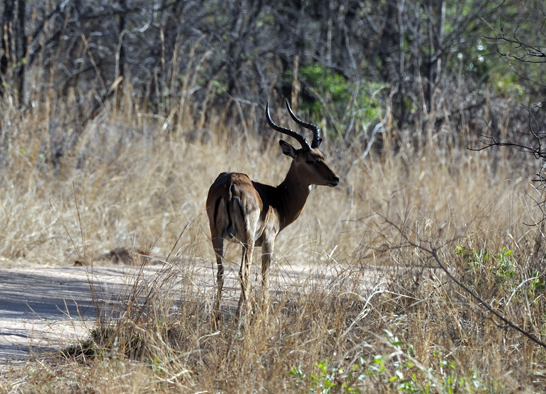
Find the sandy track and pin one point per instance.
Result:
(40, 308)
(44, 308)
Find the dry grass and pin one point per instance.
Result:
(364, 313)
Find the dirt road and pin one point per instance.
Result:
(43, 307)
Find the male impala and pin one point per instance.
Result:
(253, 214)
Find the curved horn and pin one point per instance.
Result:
(316, 131)
(301, 139)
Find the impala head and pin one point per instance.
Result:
(309, 161)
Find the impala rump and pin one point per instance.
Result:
(234, 210)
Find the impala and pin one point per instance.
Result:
(253, 214)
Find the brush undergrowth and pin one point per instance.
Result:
(353, 307)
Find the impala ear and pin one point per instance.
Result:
(287, 149)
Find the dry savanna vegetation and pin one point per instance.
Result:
(368, 311)
(115, 118)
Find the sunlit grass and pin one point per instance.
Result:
(350, 307)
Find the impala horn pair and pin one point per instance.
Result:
(317, 140)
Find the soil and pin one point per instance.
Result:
(44, 307)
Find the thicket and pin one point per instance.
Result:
(411, 67)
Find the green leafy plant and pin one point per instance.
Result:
(505, 266)
(501, 264)
(329, 379)
(344, 100)
(536, 283)
(327, 83)
(396, 371)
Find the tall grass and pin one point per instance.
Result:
(353, 306)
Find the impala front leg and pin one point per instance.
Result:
(218, 244)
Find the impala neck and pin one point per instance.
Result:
(294, 192)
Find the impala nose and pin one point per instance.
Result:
(334, 181)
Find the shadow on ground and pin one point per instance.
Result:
(44, 308)
(40, 307)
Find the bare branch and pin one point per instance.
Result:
(433, 252)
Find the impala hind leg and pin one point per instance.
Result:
(218, 245)
(245, 302)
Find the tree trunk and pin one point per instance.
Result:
(21, 51)
(14, 49)
(6, 39)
